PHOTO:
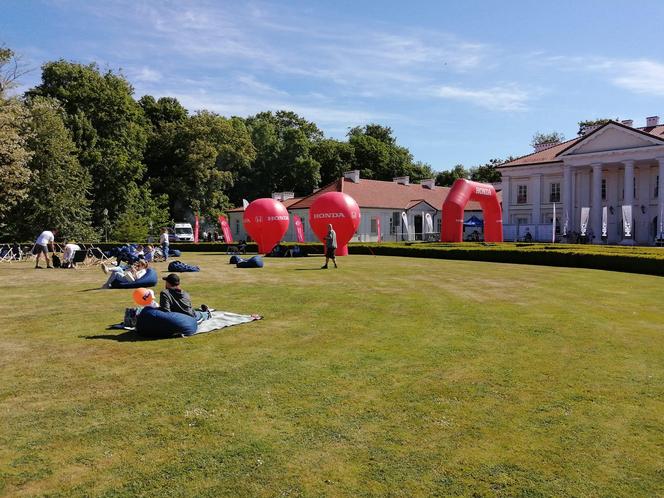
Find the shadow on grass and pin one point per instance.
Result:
(308, 269)
(124, 336)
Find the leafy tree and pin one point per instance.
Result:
(108, 127)
(546, 138)
(10, 70)
(164, 110)
(335, 158)
(592, 122)
(284, 144)
(57, 195)
(487, 173)
(376, 154)
(196, 162)
(447, 178)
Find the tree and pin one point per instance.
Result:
(376, 154)
(284, 143)
(546, 138)
(108, 127)
(164, 110)
(335, 158)
(59, 185)
(10, 70)
(591, 122)
(447, 178)
(487, 173)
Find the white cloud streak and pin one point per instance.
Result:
(496, 98)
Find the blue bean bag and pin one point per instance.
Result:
(179, 267)
(235, 259)
(254, 262)
(148, 280)
(175, 252)
(157, 324)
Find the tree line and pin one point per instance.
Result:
(79, 153)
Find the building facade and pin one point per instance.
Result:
(608, 166)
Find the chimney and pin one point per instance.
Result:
(628, 122)
(544, 146)
(429, 183)
(652, 121)
(402, 180)
(282, 196)
(353, 176)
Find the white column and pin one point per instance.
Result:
(566, 218)
(506, 199)
(596, 206)
(660, 198)
(628, 196)
(536, 201)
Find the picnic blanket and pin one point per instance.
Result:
(218, 321)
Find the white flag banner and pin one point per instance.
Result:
(245, 203)
(428, 223)
(553, 227)
(605, 222)
(585, 215)
(627, 221)
(661, 223)
(404, 221)
(566, 223)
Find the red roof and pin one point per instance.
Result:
(550, 155)
(288, 203)
(385, 195)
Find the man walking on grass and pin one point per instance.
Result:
(330, 247)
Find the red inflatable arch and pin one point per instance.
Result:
(461, 192)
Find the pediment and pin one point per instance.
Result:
(612, 137)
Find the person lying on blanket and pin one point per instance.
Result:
(174, 299)
(124, 273)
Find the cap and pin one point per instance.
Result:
(172, 279)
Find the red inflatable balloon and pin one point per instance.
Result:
(266, 220)
(341, 211)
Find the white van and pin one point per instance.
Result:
(183, 232)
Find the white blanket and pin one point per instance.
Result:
(222, 319)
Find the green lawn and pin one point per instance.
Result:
(389, 376)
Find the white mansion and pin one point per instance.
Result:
(589, 179)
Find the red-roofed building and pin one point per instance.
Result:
(585, 179)
(377, 200)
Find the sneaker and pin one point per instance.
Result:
(104, 268)
(324, 267)
(38, 267)
(204, 307)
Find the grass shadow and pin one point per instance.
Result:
(124, 336)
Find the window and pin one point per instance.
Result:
(237, 227)
(657, 187)
(522, 194)
(521, 221)
(554, 196)
(550, 219)
(603, 189)
(395, 222)
(374, 225)
(634, 193)
(439, 223)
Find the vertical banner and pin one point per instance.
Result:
(196, 227)
(627, 221)
(566, 224)
(299, 229)
(404, 222)
(661, 223)
(428, 223)
(245, 203)
(553, 227)
(378, 239)
(605, 222)
(225, 229)
(585, 215)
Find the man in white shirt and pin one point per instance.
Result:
(41, 247)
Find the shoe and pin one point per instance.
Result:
(38, 267)
(104, 268)
(49, 266)
(335, 266)
(323, 267)
(204, 307)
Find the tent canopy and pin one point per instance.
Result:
(473, 221)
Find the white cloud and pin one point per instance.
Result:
(641, 76)
(146, 74)
(496, 98)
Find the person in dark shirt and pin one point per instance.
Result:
(174, 299)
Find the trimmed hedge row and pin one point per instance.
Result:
(645, 260)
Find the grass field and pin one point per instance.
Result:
(389, 376)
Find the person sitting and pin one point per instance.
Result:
(68, 254)
(175, 300)
(124, 273)
(148, 253)
(528, 237)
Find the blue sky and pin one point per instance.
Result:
(458, 82)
